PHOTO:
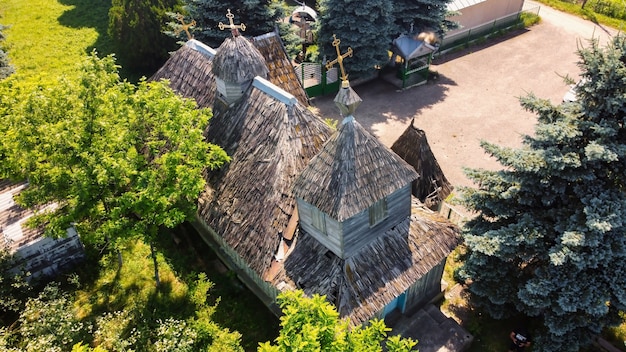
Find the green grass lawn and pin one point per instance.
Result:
(46, 39)
(574, 8)
(108, 288)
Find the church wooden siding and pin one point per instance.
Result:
(229, 91)
(426, 288)
(331, 238)
(357, 231)
(345, 239)
(264, 290)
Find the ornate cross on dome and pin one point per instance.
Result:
(339, 59)
(185, 26)
(233, 27)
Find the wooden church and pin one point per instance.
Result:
(301, 206)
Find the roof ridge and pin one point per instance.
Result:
(274, 91)
(201, 48)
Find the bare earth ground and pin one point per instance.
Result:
(476, 95)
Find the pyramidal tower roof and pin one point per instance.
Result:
(354, 169)
(237, 60)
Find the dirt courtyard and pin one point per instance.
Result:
(476, 95)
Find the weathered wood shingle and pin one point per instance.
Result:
(250, 201)
(189, 73)
(281, 71)
(362, 285)
(352, 172)
(413, 147)
(238, 60)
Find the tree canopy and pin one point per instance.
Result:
(369, 27)
(313, 324)
(365, 26)
(549, 239)
(136, 27)
(415, 16)
(6, 69)
(114, 159)
(259, 17)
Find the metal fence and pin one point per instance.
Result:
(316, 79)
(473, 34)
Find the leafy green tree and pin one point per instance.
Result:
(259, 17)
(313, 324)
(14, 289)
(136, 26)
(365, 26)
(119, 161)
(415, 16)
(48, 323)
(549, 239)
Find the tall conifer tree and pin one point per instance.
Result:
(549, 240)
(6, 69)
(259, 17)
(414, 16)
(136, 26)
(365, 26)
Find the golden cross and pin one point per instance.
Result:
(233, 27)
(185, 27)
(339, 59)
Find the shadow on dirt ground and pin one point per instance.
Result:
(383, 101)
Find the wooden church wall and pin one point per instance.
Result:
(346, 238)
(266, 292)
(426, 288)
(357, 231)
(331, 237)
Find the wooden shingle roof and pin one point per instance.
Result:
(281, 71)
(249, 202)
(13, 232)
(352, 172)
(189, 69)
(189, 73)
(238, 60)
(362, 285)
(413, 147)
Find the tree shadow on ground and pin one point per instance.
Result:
(238, 308)
(95, 14)
(92, 14)
(490, 334)
(383, 101)
(477, 45)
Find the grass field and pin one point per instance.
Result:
(588, 12)
(46, 39)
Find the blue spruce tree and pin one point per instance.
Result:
(549, 240)
(6, 69)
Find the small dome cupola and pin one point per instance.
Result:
(236, 63)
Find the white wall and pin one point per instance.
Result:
(485, 12)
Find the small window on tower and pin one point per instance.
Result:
(378, 212)
(318, 220)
